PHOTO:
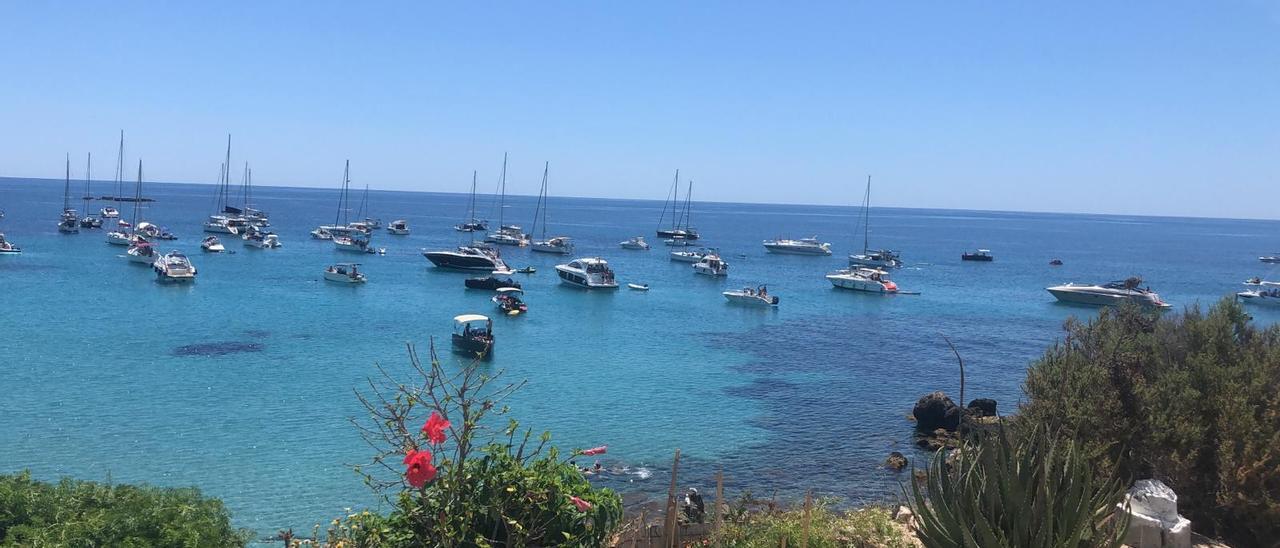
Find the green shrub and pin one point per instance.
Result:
(1190, 399)
(1029, 491)
(864, 528)
(85, 513)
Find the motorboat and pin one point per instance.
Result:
(120, 237)
(347, 273)
(399, 227)
(1256, 281)
(174, 267)
(636, 243)
(474, 225)
(109, 213)
(527, 270)
(211, 244)
(222, 224)
(1265, 297)
(680, 228)
(638, 287)
(509, 302)
(468, 258)
(261, 239)
(589, 273)
(507, 235)
(321, 233)
(753, 297)
(871, 280)
(353, 244)
(90, 221)
(981, 255)
(69, 223)
(711, 265)
(142, 252)
(491, 283)
(473, 335)
(1055, 262)
(7, 247)
(560, 244)
(878, 258)
(1270, 258)
(677, 242)
(153, 232)
(1108, 294)
(688, 256)
(802, 246)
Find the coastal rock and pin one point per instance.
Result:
(896, 461)
(982, 407)
(936, 410)
(903, 515)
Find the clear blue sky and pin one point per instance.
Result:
(1112, 107)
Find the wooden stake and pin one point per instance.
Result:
(719, 521)
(808, 504)
(669, 523)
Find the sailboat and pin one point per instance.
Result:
(558, 244)
(140, 250)
(506, 234)
(252, 216)
(225, 219)
(363, 220)
(69, 223)
(873, 258)
(473, 224)
(680, 229)
(110, 212)
(89, 220)
(123, 232)
(347, 236)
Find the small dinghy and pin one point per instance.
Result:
(527, 270)
(639, 287)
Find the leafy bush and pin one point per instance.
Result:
(85, 513)
(1031, 491)
(1190, 399)
(864, 528)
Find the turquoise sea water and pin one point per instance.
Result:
(811, 395)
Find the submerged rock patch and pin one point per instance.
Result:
(217, 348)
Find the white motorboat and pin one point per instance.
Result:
(321, 233)
(871, 280)
(677, 242)
(7, 247)
(559, 244)
(753, 297)
(468, 258)
(1259, 282)
(399, 227)
(142, 252)
(509, 302)
(1109, 294)
(221, 224)
(109, 213)
(636, 243)
(347, 273)
(589, 273)
(1264, 297)
(872, 258)
(211, 244)
(90, 221)
(120, 237)
(639, 287)
(680, 229)
(802, 246)
(261, 240)
(688, 256)
(1270, 258)
(711, 265)
(153, 232)
(174, 267)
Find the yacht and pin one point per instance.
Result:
(69, 222)
(89, 220)
(981, 255)
(399, 227)
(225, 219)
(872, 258)
(802, 246)
(261, 239)
(1256, 281)
(1112, 293)
(468, 258)
(509, 302)
(636, 243)
(680, 229)
(174, 267)
(347, 273)
(711, 265)
(7, 247)
(688, 256)
(109, 213)
(872, 280)
(473, 335)
(1270, 258)
(559, 244)
(353, 243)
(753, 297)
(211, 244)
(222, 224)
(1265, 297)
(474, 225)
(154, 232)
(120, 237)
(589, 273)
(506, 234)
(142, 252)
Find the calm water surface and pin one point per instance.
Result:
(811, 395)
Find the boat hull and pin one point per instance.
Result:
(579, 279)
(548, 248)
(1255, 298)
(458, 261)
(872, 262)
(479, 348)
(682, 258)
(797, 250)
(738, 297)
(1098, 299)
(343, 278)
(854, 283)
(678, 234)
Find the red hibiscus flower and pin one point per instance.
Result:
(435, 428)
(595, 451)
(582, 505)
(419, 469)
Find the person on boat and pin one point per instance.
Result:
(1255, 280)
(764, 291)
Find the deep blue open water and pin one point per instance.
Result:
(811, 395)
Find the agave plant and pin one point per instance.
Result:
(1030, 492)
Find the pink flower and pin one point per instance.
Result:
(435, 428)
(419, 469)
(582, 505)
(595, 451)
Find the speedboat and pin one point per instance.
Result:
(490, 283)
(399, 227)
(755, 297)
(636, 243)
(527, 270)
(347, 273)
(676, 242)
(560, 244)
(880, 258)
(90, 221)
(174, 267)
(321, 233)
(473, 335)
(7, 247)
(688, 256)
(1256, 281)
(1109, 294)
(803, 246)
(589, 273)
(69, 223)
(981, 255)
(474, 225)
(711, 265)
(261, 240)
(109, 213)
(120, 237)
(1270, 258)
(154, 232)
(1265, 297)
(872, 280)
(142, 252)
(509, 302)
(507, 235)
(212, 245)
(468, 258)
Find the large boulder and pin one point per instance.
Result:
(936, 410)
(896, 461)
(982, 407)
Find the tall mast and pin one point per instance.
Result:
(502, 201)
(364, 204)
(120, 169)
(66, 187)
(226, 177)
(342, 198)
(688, 197)
(541, 209)
(88, 175)
(248, 188)
(672, 196)
(472, 232)
(244, 185)
(137, 195)
(866, 217)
